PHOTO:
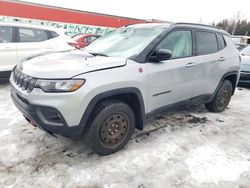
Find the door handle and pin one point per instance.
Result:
(221, 59)
(191, 64)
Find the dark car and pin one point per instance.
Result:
(85, 39)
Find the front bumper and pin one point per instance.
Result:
(59, 113)
(44, 117)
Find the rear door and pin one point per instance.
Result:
(209, 58)
(8, 53)
(33, 41)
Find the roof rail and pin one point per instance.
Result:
(181, 23)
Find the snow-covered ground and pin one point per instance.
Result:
(192, 148)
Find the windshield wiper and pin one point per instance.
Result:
(97, 54)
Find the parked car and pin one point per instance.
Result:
(108, 89)
(240, 46)
(245, 66)
(241, 39)
(18, 41)
(85, 39)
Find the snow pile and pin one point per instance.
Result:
(211, 164)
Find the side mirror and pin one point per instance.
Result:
(163, 54)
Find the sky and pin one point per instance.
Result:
(196, 11)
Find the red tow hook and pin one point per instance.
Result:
(31, 122)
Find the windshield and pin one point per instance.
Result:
(124, 42)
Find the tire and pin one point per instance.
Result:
(111, 127)
(222, 97)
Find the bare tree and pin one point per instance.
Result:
(235, 22)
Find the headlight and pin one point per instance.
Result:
(59, 85)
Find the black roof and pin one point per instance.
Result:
(201, 26)
(149, 25)
(179, 25)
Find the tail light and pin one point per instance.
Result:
(74, 45)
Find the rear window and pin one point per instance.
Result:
(6, 34)
(206, 43)
(32, 35)
(53, 34)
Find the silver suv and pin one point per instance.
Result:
(108, 89)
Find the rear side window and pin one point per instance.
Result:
(32, 35)
(6, 34)
(206, 42)
(221, 41)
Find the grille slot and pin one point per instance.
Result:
(23, 81)
(22, 99)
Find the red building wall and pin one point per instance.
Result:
(40, 12)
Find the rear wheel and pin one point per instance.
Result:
(222, 97)
(111, 127)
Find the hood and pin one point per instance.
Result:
(59, 65)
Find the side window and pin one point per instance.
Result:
(6, 34)
(206, 43)
(89, 39)
(221, 41)
(179, 43)
(32, 35)
(53, 34)
(93, 38)
(86, 40)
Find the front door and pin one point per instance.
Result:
(173, 80)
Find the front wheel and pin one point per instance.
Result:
(112, 125)
(222, 97)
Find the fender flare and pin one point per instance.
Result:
(94, 101)
(235, 73)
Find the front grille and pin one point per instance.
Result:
(23, 81)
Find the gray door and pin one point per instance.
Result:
(173, 80)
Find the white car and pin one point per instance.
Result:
(18, 41)
(245, 66)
